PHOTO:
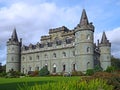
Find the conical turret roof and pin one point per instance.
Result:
(14, 35)
(104, 38)
(84, 19)
(84, 23)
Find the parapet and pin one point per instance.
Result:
(45, 38)
(59, 29)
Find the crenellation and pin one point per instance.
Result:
(59, 29)
(45, 38)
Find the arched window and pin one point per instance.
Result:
(73, 53)
(88, 37)
(74, 67)
(12, 58)
(23, 58)
(88, 65)
(46, 65)
(64, 54)
(64, 67)
(37, 57)
(37, 68)
(23, 70)
(46, 56)
(30, 68)
(88, 49)
(54, 55)
(30, 58)
(54, 68)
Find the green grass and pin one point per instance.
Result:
(13, 83)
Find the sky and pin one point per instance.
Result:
(34, 18)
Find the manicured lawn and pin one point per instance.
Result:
(12, 83)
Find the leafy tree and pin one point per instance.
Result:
(110, 69)
(44, 71)
(115, 62)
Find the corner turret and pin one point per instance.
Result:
(105, 52)
(13, 53)
(84, 37)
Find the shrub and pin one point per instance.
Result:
(3, 74)
(110, 69)
(44, 71)
(98, 68)
(90, 72)
(111, 78)
(77, 73)
(14, 74)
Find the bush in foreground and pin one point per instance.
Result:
(44, 71)
(111, 78)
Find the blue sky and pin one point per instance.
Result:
(34, 18)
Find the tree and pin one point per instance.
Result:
(115, 62)
(44, 71)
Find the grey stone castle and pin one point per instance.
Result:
(63, 50)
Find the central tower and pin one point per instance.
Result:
(84, 38)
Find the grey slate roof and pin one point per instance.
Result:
(14, 35)
(104, 39)
(84, 19)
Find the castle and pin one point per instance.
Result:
(63, 50)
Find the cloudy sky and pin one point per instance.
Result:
(34, 18)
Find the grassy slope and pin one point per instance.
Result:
(12, 83)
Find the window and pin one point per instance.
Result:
(30, 68)
(74, 67)
(64, 67)
(23, 70)
(45, 56)
(68, 40)
(13, 49)
(58, 42)
(46, 65)
(49, 44)
(73, 53)
(37, 68)
(88, 37)
(54, 68)
(37, 57)
(64, 54)
(12, 58)
(23, 58)
(88, 65)
(88, 49)
(41, 45)
(30, 58)
(54, 55)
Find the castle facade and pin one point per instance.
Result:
(63, 50)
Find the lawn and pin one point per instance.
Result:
(12, 83)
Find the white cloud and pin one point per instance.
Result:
(32, 21)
